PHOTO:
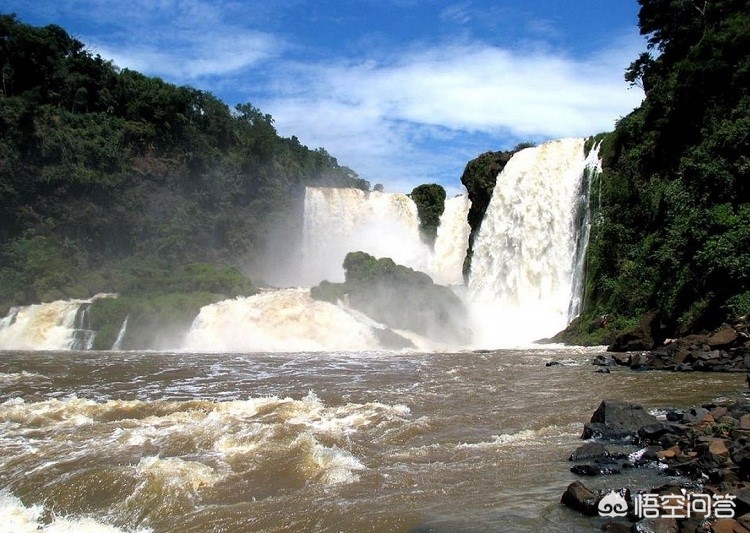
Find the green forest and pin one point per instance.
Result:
(112, 181)
(671, 228)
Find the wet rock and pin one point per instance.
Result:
(580, 498)
(696, 414)
(645, 336)
(742, 501)
(594, 470)
(616, 527)
(739, 452)
(728, 525)
(617, 420)
(603, 371)
(652, 432)
(622, 359)
(553, 363)
(656, 525)
(604, 360)
(590, 451)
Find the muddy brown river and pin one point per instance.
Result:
(354, 442)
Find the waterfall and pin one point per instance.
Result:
(121, 335)
(338, 221)
(83, 335)
(528, 255)
(451, 243)
(582, 226)
(59, 325)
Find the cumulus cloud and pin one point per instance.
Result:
(385, 115)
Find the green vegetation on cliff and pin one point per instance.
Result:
(103, 171)
(672, 233)
(430, 200)
(399, 297)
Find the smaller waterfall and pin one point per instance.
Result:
(83, 335)
(59, 325)
(283, 320)
(338, 221)
(452, 242)
(591, 172)
(121, 335)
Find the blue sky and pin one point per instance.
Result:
(402, 91)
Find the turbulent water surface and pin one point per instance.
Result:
(191, 442)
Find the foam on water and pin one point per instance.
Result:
(278, 321)
(19, 518)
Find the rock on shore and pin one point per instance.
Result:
(709, 446)
(725, 349)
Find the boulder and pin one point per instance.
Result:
(590, 451)
(594, 470)
(722, 337)
(617, 420)
(580, 498)
(645, 336)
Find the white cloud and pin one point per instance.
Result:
(385, 120)
(187, 60)
(181, 40)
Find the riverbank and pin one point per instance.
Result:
(703, 453)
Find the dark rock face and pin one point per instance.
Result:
(709, 444)
(479, 178)
(645, 336)
(615, 420)
(590, 451)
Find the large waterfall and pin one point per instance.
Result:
(526, 271)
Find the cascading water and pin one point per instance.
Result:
(60, 325)
(591, 172)
(117, 345)
(339, 221)
(528, 254)
(526, 279)
(451, 243)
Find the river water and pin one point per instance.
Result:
(127, 441)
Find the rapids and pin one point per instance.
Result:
(367, 441)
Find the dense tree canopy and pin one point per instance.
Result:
(430, 200)
(103, 171)
(673, 231)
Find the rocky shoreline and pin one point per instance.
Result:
(725, 349)
(706, 448)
